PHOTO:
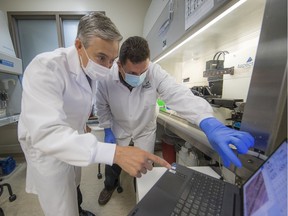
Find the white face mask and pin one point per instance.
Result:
(93, 70)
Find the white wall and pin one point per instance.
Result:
(128, 15)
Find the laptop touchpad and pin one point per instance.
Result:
(172, 183)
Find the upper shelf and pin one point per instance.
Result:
(242, 22)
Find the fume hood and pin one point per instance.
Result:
(10, 71)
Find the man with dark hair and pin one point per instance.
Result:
(58, 91)
(126, 107)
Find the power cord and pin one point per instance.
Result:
(165, 129)
(217, 56)
(221, 170)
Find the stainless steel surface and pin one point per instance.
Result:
(186, 131)
(265, 114)
(8, 120)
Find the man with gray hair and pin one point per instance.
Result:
(58, 90)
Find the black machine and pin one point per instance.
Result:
(212, 95)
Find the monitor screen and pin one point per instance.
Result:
(265, 193)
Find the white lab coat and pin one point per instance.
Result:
(132, 115)
(56, 104)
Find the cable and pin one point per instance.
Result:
(217, 56)
(164, 125)
(221, 169)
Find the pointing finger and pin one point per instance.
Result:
(158, 160)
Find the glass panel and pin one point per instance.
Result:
(10, 95)
(36, 36)
(70, 31)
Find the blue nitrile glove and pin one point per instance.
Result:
(109, 136)
(221, 136)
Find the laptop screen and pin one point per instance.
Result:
(265, 193)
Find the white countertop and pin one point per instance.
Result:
(145, 183)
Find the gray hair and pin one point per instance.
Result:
(99, 25)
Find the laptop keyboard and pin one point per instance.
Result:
(201, 197)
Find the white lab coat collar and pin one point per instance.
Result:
(115, 72)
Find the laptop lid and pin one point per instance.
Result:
(265, 192)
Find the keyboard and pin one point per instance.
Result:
(202, 196)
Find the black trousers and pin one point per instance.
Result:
(112, 174)
(79, 198)
(1, 212)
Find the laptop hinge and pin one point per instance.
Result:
(237, 204)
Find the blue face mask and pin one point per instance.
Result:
(134, 80)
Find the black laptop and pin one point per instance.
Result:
(186, 192)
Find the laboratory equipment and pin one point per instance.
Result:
(10, 71)
(10, 98)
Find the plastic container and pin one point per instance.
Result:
(187, 156)
(168, 152)
(183, 156)
(7, 165)
(161, 104)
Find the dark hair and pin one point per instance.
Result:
(97, 24)
(136, 49)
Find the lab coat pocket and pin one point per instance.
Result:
(149, 99)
